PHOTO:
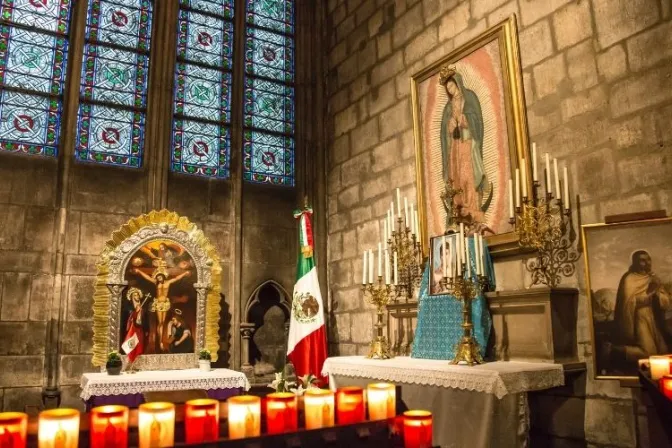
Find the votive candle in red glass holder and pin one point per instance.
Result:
(281, 413)
(350, 405)
(417, 429)
(201, 420)
(666, 386)
(109, 426)
(13, 426)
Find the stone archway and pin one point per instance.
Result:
(264, 331)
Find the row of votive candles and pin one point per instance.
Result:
(661, 371)
(156, 421)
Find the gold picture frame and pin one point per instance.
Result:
(621, 261)
(503, 122)
(158, 244)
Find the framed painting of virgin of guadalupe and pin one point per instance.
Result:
(470, 133)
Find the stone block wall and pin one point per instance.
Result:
(598, 88)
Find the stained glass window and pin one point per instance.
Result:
(202, 110)
(268, 138)
(33, 57)
(113, 93)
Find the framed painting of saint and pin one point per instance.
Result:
(629, 289)
(470, 131)
(157, 300)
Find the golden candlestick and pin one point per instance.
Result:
(379, 295)
(466, 290)
(544, 225)
(409, 259)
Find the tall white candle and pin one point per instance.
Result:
(477, 252)
(535, 176)
(445, 255)
(417, 225)
(548, 174)
(462, 243)
(450, 261)
(398, 203)
(566, 186)
(458, 254)
(557, 179)
(511, 198)
(380, 260)
(371, 262)
(364, 268)
(408, 223)
(396, 271)
(517, 187)
(385, 232)
(480, 255)
(387, 267)
(412, 219)
(524, 178)
(467, 257)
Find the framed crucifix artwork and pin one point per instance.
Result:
(470, 131)
(157, 294)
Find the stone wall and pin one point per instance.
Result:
(102, 198)
(598, 87)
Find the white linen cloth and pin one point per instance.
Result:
(477, 407)
(97, 384)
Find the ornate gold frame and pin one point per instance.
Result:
(516, 118)
(110, 284)
(586, 259)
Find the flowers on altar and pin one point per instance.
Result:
(282, 384)
(204, 355)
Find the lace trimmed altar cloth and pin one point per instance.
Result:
(497, 378)
(486, 405)
(101, 389)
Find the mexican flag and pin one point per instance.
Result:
(307, 343)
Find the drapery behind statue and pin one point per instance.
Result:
(440, 315)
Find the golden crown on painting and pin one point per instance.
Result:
(447, 72)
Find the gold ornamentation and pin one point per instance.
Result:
(379, 295)
(447, 72)
(466, 290)
(161, 269)
(544, 225)
(161, 220)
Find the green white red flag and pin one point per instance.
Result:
(307, 342)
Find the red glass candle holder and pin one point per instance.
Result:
(350, 405)
(281, 413)
(13, 426)
(417, 429)
(666, 386)
(201, 420)
(109, 426)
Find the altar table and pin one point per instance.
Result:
(101, 389)
(478, 406)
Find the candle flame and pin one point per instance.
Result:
(249, 422)
(61, 438)
(155, 433)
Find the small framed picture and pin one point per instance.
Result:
(439, 261)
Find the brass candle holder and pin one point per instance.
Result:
(543, 224)
(379, 295)
(466, 290)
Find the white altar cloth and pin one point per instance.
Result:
(481, 406)
(97, 384)
(498, 378)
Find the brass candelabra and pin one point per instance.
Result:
(543, 224)
(409, 260)
(466, 290)
(379, 295)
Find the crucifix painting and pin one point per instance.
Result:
(160, 302)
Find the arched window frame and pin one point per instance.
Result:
(163, 59)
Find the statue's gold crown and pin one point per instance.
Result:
(447, 72)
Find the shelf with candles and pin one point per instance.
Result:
(384, 429)
(464, 280)
(543, 222)
(658, 385)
